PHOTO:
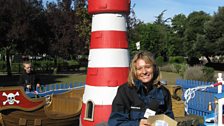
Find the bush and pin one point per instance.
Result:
(168, 68)
(73, 62)
(177, 59)
(199, 73)
(160, 61)
(216, 66)
(208, 74)
(193, 61)
(43, 66)
(48, 65)
(16, 67)
(180, 68)
(194, 73)
(176, 68)
(37, 65)
(2, 66)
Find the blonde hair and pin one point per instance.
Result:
(148, 58)
(26, 62)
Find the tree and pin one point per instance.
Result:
(153, 37)
(178, 27)
(18, 27)
(210, 43)
(132, 33)
(83, 27)
(160, 20)
(194, 27)
(214, 33)
(165, 46)
(70, 28)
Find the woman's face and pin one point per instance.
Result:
(144, 71)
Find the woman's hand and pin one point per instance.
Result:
(143, 122)
(28, 86)
(38, 85)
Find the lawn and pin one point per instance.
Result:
(168, 76)
(45, 79)
(65, 78)
(71, 78)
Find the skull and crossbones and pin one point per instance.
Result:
(10, 98)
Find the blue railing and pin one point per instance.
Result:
(45, 90)
(199, 104)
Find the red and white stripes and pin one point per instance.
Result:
(108, 59)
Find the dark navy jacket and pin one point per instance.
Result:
(31, 79)
(130, 104)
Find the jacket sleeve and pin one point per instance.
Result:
(120, 111)
(121, 119)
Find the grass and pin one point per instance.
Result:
(45, 79)
(71, 78)
(170, 77)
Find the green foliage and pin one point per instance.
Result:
(2, 66)
(177, 59)
(177, 67)
(181, 68)
(152, 37)
(208, 74)
(199, 73)
(168, 68)
(45, 65)
(73, 62)
(195, 26)
(15, 67)
(160, 61)
(214, 35)
(177, 36)
(221, 59)
(194, 73)
(60, 61)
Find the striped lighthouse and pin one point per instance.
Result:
(108, 59)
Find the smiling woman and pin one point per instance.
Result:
(142, 96)
(144, 71)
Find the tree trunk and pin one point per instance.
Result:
(8, 64)
(209, 60)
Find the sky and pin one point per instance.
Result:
(147, 10)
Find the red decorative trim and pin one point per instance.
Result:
(109, 39)
(111, 77)
(99, 6)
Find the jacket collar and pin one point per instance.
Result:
(140, 86)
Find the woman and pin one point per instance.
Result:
(141, 96)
